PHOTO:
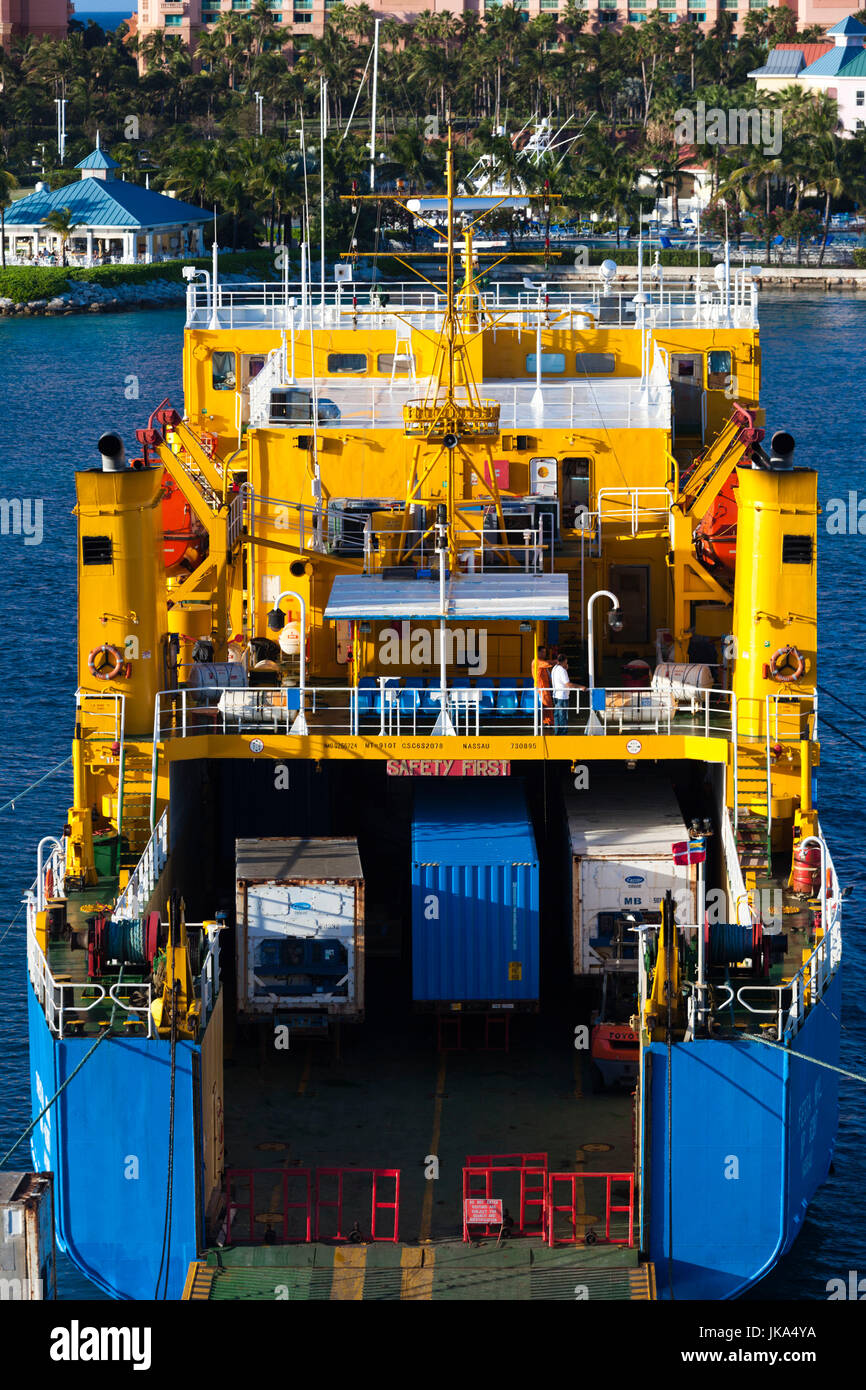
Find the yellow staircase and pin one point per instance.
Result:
(135, 815)
(751, 798)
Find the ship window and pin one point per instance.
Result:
(385, 364)
(595, 363)
(254, 366)
(796, 550)
(553, 363)
(291, 405)
(685, 367)
(352, 363)
(718, 370)
(575, 488)
(224, 368)
(96, 550)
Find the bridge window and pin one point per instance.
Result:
(718, 370)
(595, 363)
(385, 364)
(348, 363)
(552, 363)
(224, 371)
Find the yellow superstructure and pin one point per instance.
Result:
(527, 444)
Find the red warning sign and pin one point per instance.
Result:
(483, 1211)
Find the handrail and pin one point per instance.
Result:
(145, 876)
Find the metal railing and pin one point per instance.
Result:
(104, 708)
(617, 402)
(145, 876)
(505, 304)
(66, 1003)
(384, 707)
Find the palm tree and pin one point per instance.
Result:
(7, 183)
(62, 223)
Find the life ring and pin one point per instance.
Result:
(779, 668)
(105, 672)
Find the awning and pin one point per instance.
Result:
(497, 597)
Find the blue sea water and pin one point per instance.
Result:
(64, 381)
(106, 19)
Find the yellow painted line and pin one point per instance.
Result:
(427, 1209)
(305, 1074)
(347, 1284)
(417, 1265)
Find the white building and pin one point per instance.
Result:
(114, 221)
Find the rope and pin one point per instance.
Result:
(828, 1066)
(165, 1254)
(89, 1053)
(839, 700)
(843, 734)
(34, 785)
(12, 923)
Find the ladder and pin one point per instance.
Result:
(403, 355)
(135, 804)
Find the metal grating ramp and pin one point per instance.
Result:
(577, 1283)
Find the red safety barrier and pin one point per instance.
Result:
(277, 1205)
(531, 1170)
(588, 1236)
(377, 1203)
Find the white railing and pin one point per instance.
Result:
(145, 876)
(67, 1002)
(274, 373)
(385, 707)
(111, 715)
(615, 401)
(738, 894)
(506, 304)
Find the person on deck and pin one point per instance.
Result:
(541, 668)
(560, 688)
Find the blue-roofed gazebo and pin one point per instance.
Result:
(114, 221)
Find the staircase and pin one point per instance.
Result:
(753, 845)
(136, 805)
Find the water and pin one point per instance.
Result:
(64, 381)
(106, 19)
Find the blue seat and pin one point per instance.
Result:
(527, 694)
(392, 683)
(507, 699)
(412, 694)
(367, 687)
(460, 683)
(485, 685)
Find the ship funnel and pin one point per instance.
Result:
(782, 450)
(110, 446)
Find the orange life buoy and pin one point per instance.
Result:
(780, 669)
(105, 672)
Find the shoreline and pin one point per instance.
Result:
(90, 297)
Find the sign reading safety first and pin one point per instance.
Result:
(443, 767)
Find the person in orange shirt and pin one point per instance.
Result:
(541, 668)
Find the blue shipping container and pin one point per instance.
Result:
(475, 921)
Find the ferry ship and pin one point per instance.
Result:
(443, 910)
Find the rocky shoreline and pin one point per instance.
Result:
(90, 297)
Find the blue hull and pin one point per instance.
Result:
(753, 1130)
(106, 1140)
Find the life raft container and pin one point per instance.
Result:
(716, 537)
(105, 672)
